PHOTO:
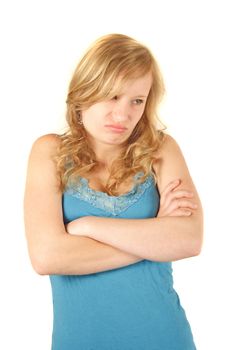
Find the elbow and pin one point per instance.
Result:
(40, 270)
(42, 262)
(45, 257)
(40, 265)
(196, 249)
(197, 236)
(197, 242)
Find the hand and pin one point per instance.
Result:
(78, 227)
(175, 203)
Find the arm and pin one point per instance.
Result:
(161, 238)
(70, 255)
(156, 239)
(51, 249)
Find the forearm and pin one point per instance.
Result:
(72, 255)
(157, 239)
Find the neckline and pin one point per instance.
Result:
(133, 189)
(113, 205)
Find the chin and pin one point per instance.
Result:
(116, 141)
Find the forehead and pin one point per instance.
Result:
(136, 86)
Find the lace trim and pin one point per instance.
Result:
(106, 202)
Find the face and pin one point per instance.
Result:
(111, 122)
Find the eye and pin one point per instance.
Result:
(138, 101)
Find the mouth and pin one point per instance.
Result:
(116, 128)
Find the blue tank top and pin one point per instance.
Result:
(129, 308)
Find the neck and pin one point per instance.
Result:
(106, 154)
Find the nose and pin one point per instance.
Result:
(120, 111)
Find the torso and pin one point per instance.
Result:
(98, 180)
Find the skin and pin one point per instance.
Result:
(125, 110)
(176, 232)
(147, 238)
(87, 245)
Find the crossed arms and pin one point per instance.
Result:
(87, 245)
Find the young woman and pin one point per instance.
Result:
(109, 205)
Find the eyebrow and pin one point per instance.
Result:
(140, 96)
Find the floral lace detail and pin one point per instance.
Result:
(106, 202)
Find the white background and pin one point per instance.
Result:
(41, 42)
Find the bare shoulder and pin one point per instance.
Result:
(46, 143)
(168, 149)
(169, 144)
(41, 161)
(171, 165)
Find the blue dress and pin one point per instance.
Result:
(129, 308)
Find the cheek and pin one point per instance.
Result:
(137, 117)
(91, 118)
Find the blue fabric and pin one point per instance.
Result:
(130, 308)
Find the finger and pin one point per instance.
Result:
(179, 194)
(176, 212)
(181, 212)
(171, 186)
(175, 195)
(182, 193)
(186, 204)
(179, 204)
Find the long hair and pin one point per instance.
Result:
(108, 63)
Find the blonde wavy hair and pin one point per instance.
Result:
(108, 63)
